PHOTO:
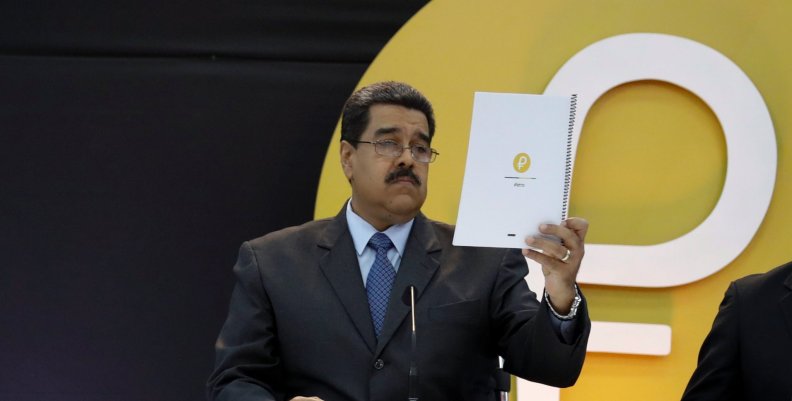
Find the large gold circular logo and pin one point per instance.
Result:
(447, 52)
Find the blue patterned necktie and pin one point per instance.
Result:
(380, 280)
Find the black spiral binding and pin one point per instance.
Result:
(568, 171)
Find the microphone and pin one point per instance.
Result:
(412, 385)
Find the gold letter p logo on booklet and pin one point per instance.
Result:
(522, 162)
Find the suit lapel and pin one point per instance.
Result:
(786, 304)
(420, 262)
(340, 266)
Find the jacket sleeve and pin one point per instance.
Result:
(247, 364)
(528, 343)
(717, 375)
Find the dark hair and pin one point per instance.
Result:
(355, 117)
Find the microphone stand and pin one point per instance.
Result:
(412, 385)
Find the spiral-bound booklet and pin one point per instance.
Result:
(518, 170)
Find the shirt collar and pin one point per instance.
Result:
(362, 231)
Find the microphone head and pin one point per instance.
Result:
(406, 295)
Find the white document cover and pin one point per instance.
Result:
(518, 170)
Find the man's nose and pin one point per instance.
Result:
(406, 158)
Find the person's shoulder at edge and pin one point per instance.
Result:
(755, 283)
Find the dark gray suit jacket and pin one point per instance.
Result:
(748, 353)
(299, 322)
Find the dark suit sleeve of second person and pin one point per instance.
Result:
(247, 361)
(528, 342)
(717, 376)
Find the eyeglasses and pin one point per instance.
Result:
(387, 147)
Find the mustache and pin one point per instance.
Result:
(402, 172)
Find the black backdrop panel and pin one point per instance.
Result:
(347, 30)
(132, 165)
(128, 187)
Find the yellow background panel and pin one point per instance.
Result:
(651, 159)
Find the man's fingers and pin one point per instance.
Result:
(572, 231)
(552, 254)
(541, 258)
(578, 225)
(569, 239)
(548, 247)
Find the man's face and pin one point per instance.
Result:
(387, 190)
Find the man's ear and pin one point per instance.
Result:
(347, 158)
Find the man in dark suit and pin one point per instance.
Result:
(318, 309)
(747, 356)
